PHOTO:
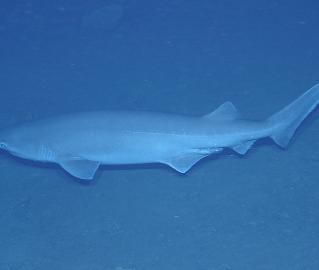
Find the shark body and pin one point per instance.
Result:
(81, 142)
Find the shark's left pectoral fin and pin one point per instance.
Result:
(80, 168)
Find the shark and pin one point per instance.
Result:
(81, 142)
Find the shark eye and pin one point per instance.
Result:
(3, 145)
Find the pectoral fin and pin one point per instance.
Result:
(80, 168)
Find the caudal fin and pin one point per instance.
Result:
(285, 122)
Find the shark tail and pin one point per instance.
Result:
(285, 122)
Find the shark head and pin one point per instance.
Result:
(3, 141)
(18, 143)
(3, 145)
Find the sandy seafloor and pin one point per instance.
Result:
(257, 212)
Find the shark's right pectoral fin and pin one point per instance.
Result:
(80, 168)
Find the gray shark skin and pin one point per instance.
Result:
(81, 142)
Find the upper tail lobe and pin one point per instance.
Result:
(286, 121)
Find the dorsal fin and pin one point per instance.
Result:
(226, 111)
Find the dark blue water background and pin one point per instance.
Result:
(180, 56)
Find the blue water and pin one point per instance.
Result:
(259, 211)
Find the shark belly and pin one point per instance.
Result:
(137, 147)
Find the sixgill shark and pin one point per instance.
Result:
(81, 142)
